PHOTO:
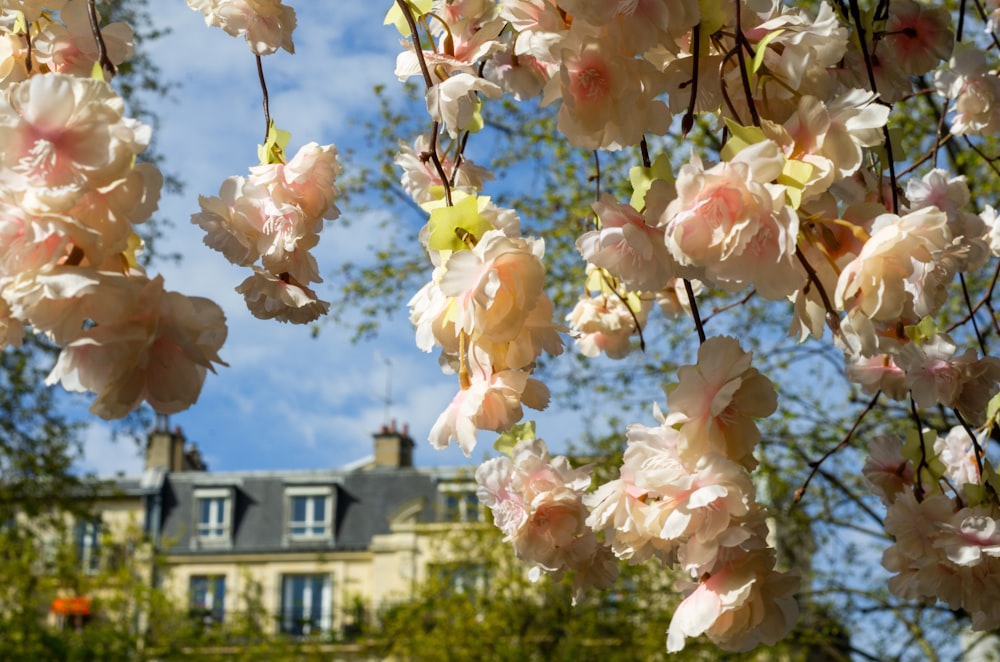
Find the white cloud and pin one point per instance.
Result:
(107, 456)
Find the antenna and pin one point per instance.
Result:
(388, 389)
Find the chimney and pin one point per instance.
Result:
(393, 448)
(166, 449)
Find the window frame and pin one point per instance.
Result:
(466, 508)
(218, 529)
(309, 523)
(87, 534)
(215, 613)
(299, 622)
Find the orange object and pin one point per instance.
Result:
(78, 606)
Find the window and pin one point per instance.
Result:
(207, 598)
(306, 604)
(87, 541)
(459, 503)
(213, 510)
(310, 512)
(463, 578)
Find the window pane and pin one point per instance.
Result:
(305, 605)
(298, 509)
(319, 509)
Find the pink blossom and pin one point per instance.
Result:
(267, 25)
(68, 45)
(628, 248)
(873, 283)
(489, 402)
(917, 37)
(495, 285)
(887, 470)
(716, 401)
(158, 350)
(738, 606)
(63, 136)
(537, 501)
(270, 297)
(604, 323)
(732, 224)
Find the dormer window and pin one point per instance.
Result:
(458, 503)
(214, 515)
(310, 513)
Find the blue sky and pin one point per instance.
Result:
(287, 400)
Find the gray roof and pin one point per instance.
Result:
(364, 502)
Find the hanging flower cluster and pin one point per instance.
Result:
(802, 203)
(942, 513)
(274, 215)
(71, 191)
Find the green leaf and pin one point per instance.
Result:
(451, 226)
(992, 409)
(517, 433)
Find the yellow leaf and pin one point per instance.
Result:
(741, 137)
(794, 176)
(518, 432)
(273, 149)
(642, 179)
(455, 228)
(758, 57)
(97, 72)
(395, 15)
(20, 24)
(713, 17)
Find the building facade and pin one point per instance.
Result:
(319, 552)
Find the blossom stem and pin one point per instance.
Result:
(866, 54)
(918, 487)
(27, 44)
(832, 319)
(597, 175)
(984, 301)
(408, 15)
(741, 43)
(267, 102)
(102, 50)
(972, 315)
(698, 325)
(977, 449)
(687, 122)
(729, 306)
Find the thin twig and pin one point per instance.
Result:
(843, 443)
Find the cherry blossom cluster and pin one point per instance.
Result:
(944, 518)
(685, 495)
(538, 502)
(802, 203)
(266, 25)
(274, 215)
(71, 191)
